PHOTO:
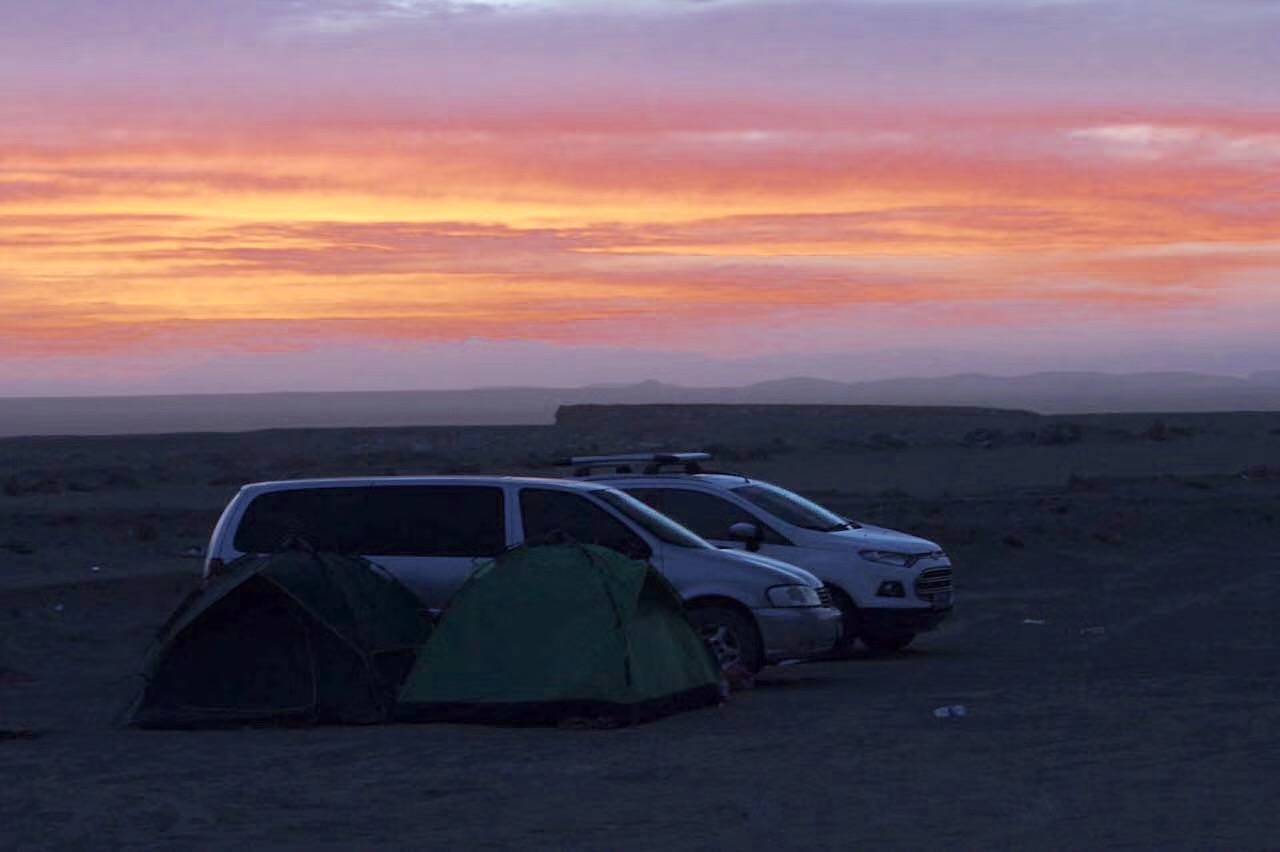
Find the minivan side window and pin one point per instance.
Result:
(707, 515)
(401, 520)
(551, 516)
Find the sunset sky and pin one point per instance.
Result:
(346, 194)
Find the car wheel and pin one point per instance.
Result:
(849, 624)
(731, 636)
(888, 644)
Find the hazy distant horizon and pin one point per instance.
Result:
(1052, 393)
(692, 386)
(487, 364)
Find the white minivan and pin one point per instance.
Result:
(432, 531)
(889, 585)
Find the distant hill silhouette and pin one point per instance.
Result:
(1046, 393)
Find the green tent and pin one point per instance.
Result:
(544, 634)
(295, 637)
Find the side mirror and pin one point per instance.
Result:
(747, 532)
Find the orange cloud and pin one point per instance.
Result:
(600, 226)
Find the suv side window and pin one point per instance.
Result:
(402, 520)
(552, 516)
(706, 514)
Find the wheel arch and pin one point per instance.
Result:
(729, 603)
(838, 591)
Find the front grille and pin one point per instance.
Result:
(932, 582)
(824, 596)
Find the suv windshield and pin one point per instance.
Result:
(792, 508)
(660, 526)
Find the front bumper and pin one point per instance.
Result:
(900, 621)
(792, 633)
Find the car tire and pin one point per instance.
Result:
(850, 623)
(732, 636)
(888, 644)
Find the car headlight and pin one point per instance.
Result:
(888, 557)
(793, 596)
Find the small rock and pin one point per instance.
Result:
(18, 734)
(1014, 541)
(13, 677)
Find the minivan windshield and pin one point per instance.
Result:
(656, 524)
(792, 508)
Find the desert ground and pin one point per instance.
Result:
(1114, 645)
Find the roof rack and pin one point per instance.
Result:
(623, 462)
(736, 473)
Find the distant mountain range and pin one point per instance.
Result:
(1047, 393)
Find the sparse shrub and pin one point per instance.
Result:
(463, 469)
(1014, 541)
(34, 482)
(757, 452)
(984, 438)
(1059, 433)
(1056, 506)
(718, 450)
(122, 478)
(537, 461)
(17, 547)
(1079, 483)
(299, 462)
(1157, 431)
(886, 441)
(145, 532)
(98, 479)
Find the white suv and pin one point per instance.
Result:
(889, 585)
(432, 531)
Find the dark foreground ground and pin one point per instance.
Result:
(1118, 693)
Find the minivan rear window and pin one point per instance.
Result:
(402, 520)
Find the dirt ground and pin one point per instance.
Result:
(1114, 646)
